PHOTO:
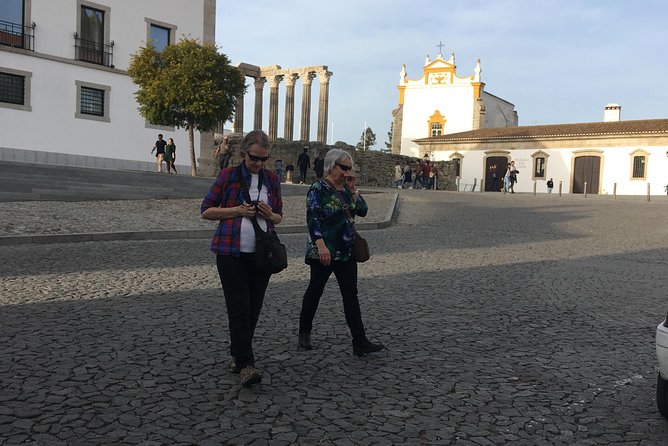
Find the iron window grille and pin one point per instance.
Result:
(638, 167)
(12, 89)
(17, 35)
(92, 101)
(539, 169)
(94, 52)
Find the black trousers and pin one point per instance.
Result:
(244, 287)
(302, 173)
(346, 276)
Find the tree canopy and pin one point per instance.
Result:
(186, 85)
(367, 140)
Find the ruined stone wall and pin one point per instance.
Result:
(373, 168)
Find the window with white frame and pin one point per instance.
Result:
(92, 101)
(15, 89)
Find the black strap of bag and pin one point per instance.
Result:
(246, 193)
(270, 254)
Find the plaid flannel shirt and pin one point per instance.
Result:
(226, 192)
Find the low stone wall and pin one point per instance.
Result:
(373, 168)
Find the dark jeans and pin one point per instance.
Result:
(244, 287)
(302, 173)
(346, 275)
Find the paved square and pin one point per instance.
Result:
(515, 320)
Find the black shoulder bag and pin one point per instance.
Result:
(360, 250)
(270, 254)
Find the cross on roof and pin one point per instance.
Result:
(440, 47)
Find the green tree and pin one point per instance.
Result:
(367, 140)
(187, 85)
(388, 143)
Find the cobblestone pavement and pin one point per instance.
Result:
(509, 320)
(72, 217)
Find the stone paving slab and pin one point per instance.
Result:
(508, 321)
(66, 222)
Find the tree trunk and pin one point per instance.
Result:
(191, 147)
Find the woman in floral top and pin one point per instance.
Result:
(329, 247)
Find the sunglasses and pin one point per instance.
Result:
(257, 158)
(344, 167)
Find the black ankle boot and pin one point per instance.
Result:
(365, 346)
(305, 341)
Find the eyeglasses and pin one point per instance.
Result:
(257, 158)
(344, 167)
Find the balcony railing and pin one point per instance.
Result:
(17, 35)
(94, 52)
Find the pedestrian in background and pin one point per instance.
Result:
(170, 156)
(398, 175)
(329, 248)
(278, 168)
(319, 167)
(159, 149)
(550, 185)
(223, 153)
(304, 163)
(244, 285)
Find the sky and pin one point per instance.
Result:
(557, 61)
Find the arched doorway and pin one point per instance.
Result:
(586, 169)
(495, 168)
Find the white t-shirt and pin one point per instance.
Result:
(247, 241)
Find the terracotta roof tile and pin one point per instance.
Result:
(644, 126)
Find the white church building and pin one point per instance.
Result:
(65, 95)
(442, 102)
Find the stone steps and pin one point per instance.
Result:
(27, 181)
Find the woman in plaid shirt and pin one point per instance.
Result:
(234, 244)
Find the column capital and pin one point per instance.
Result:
(291, 79)
(259, 82)
(324, 76)
(307, 78)
(275, 80)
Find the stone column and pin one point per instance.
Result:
(259, 86)
(323, 105)
(306, 106)
(273, 106)
(288, 131)
(239, 115)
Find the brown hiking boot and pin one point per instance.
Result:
(249, 376)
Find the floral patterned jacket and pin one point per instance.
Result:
(327, 220)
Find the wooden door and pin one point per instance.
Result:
(495, 169)
(586, 169)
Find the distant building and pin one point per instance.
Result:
(441, 102)
(612, 156)
(65, 95)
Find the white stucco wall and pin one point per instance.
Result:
(454, 103)
(51, 125)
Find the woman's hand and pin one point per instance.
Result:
(350, 182)
(323, 252)
(264, 210)
(246, 210)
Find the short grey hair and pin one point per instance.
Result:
(333, 156)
